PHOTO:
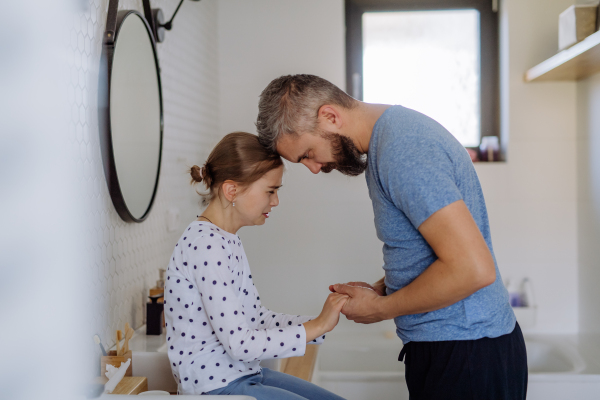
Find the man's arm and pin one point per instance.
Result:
(464, 266)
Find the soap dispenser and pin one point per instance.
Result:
(515, 297)
(160, 283)
(154, 313)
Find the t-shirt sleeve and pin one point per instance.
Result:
(418, 177)
(215, 279)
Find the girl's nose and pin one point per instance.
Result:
(275, 201)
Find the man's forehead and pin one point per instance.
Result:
(291, 146)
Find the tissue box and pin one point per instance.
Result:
(116, 361)
(575, 24)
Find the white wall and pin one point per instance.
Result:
(124, 258)
(323, 230)
(531, 198)
(588, 169)
(588, 201)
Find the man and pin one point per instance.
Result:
(442, 285)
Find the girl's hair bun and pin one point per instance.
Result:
(197, 174)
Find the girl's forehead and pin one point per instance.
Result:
(273, 177)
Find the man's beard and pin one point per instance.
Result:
(348, 159)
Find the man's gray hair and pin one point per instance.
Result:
(290, 105)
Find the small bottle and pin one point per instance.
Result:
(515, 297)
(160, 283)
(528, 299)
(489, 149)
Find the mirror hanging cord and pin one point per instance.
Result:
(155, 19)
(169, 24)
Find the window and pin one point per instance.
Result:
(439, 57)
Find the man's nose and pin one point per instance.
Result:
(313, 166)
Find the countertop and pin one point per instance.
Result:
(142, 342)
(586, 345)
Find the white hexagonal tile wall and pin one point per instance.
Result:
(124, 258)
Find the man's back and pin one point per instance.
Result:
(416, 167)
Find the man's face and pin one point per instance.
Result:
(323, 152)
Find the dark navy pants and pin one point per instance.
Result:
(482, 369)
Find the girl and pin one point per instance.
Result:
(217, 329)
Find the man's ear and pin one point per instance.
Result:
(329, 117)
(229, 190)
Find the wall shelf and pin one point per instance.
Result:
(577, 62)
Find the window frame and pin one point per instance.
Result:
(489, 49)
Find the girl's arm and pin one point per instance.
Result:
(316, 327)
(268, 319)
(216, 282)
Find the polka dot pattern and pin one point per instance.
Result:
(220, 330)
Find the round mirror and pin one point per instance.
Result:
(131, 116)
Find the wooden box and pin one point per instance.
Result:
(575, 24)
(116, 361)
(128, 385)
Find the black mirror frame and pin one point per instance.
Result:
(114, 22)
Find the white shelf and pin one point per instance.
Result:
(577, 62)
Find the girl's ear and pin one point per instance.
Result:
(229, 190)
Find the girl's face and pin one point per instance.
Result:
(256, 202)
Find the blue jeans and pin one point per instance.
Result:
(272, 385)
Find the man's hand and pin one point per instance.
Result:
(378, 287)
(364, 306)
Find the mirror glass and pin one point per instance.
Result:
(135, 116)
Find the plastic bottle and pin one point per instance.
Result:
(528, 299)
(515, 297)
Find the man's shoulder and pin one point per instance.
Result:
(402, 128)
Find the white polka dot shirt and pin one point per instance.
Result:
(217, 329)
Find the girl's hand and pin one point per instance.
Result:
(329, 317)
(378, 287)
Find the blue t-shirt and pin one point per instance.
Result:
(415, 168)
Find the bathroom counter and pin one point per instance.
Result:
(582, 350)
(150, 359)
(588, 345)
(146, 343)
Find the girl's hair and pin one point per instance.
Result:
(238, 157)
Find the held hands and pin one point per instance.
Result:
(366, 302)
(378, 287)
(329, 317)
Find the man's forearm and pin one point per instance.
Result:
(439, 286)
